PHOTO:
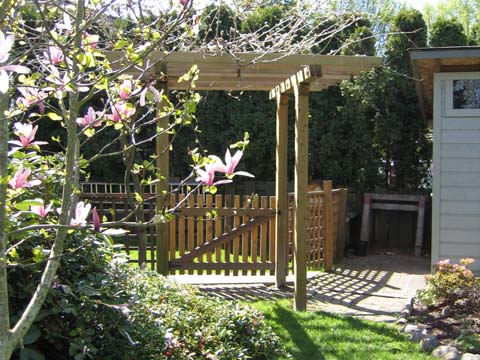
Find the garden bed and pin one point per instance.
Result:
(457, 326)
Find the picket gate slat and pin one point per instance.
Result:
(236, 241)
(209, 232)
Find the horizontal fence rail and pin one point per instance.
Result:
(224, 234)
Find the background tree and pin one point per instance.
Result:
(217, 23)
(408, 31)
(466, 12)
(446, 32)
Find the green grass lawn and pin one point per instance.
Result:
(318, 335)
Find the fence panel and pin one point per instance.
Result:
(204, 219)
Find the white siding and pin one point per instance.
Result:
(456, 187)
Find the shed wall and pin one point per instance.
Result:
(456, 179)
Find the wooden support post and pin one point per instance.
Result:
(342, 231)
(420, 221)
(329, 244)
(281, 192)
(365, 230)
(163, 169)
(300, 198)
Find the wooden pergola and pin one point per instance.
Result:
(280, 75)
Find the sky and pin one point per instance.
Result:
(418, 4)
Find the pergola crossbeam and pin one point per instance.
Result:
(305, 75)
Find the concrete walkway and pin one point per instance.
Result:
(374, 287)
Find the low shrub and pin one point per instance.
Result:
(469, 343)
(451, 283)
(100, 308)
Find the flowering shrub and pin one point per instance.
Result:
(451, 282)
(99, 309)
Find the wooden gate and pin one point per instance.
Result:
(229, 234)
(223, 235)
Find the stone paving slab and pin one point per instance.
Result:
(374, 287)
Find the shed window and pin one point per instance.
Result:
(466, 94)
(463, 96)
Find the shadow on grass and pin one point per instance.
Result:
(318, 335)
(306, 348)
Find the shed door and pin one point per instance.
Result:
(456, 167)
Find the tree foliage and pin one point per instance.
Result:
(408, 31)
(466, 12)
(446, 32)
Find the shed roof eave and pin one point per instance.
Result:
(444, 52)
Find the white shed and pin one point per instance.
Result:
(449, 93)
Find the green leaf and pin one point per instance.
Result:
(54, 116)
(31, 354)
(89, 132)
(211, 189)
(120, 44)
(13, 253)
(38, 254)
(162, 218)
(32, 335)
(79, 356)
(25, 204)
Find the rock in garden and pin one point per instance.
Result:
(429, 343)
(447, 311)
(401, 321)
(447, 353)
(468, 356)
(419, 335)
(410, 328)
(461, 303)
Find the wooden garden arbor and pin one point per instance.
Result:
(280, 75)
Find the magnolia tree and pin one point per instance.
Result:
(55, 69)
(55, 66)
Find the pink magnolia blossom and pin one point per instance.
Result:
(41, 210)
(156, 94)
(207, 176)
(67, 23)
(26, 134)
(90, 118)
(121, 111)
(96, 220)
(19, 180)
(6, 43)
(81, 213)
(90, 40)
(55, 55)
(63, 83)
(32, 96)
(125, 89)
(230, 164)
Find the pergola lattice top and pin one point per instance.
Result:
(251, 72)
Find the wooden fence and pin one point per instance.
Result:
(230, 234)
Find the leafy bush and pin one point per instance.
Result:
(103, 309)
(470, 343)
(451, 282)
